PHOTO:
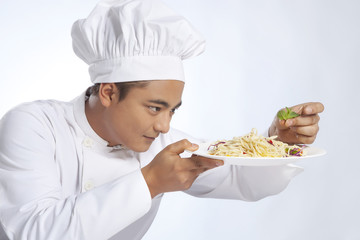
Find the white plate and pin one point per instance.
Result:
(309, 152)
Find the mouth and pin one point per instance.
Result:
(150, 138)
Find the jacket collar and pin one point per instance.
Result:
(92, 139)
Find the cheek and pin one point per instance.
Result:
(135, 122)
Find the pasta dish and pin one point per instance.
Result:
(254, 145)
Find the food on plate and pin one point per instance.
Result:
(286, 113)
(254, 145)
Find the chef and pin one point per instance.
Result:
(97, 167)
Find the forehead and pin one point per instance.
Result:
(169, 90)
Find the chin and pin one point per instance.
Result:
(139, 148)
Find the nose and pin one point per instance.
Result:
(162, 123)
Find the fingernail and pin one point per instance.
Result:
(308, 110)
(219, 163)
(289, 122)
(194, 146)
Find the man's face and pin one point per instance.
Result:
(145, 112)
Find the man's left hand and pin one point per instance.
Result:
(302, 129)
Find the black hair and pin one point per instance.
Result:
(123, 88)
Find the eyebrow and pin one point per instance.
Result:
(164, 103)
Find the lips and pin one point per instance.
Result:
(150, 138)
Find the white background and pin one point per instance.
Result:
(261, 55)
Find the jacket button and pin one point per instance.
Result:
(88, 142)
(88, 185)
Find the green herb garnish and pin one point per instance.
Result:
(286, 113)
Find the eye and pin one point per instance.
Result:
(173, 110)
(154, 109)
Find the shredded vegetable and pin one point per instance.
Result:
(254, 145)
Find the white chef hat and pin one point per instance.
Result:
(132, 40)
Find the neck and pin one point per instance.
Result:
(94, 111)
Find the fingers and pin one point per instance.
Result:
(308, 115)
(181, 146)
(197, 162)
(308, 131)
(302, 139)
(301, 121)
(169, 172)
(300, 135)
(194, 162)
(299, 130)
(308, 108)
(188, 169)
(200, 164)
(191, 168)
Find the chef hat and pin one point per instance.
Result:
(132, 40)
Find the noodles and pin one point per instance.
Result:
(254, 145)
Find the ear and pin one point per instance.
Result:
(107, 93)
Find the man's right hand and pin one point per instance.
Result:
(169, 172)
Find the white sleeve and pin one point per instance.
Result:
(33, 205)
(244, 183)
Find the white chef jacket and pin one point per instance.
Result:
(60, 180)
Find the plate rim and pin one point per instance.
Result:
(257, 161)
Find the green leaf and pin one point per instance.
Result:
(281, 114)
(287, 113)
(293, 115)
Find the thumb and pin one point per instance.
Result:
(281, 124)
(181, 146)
